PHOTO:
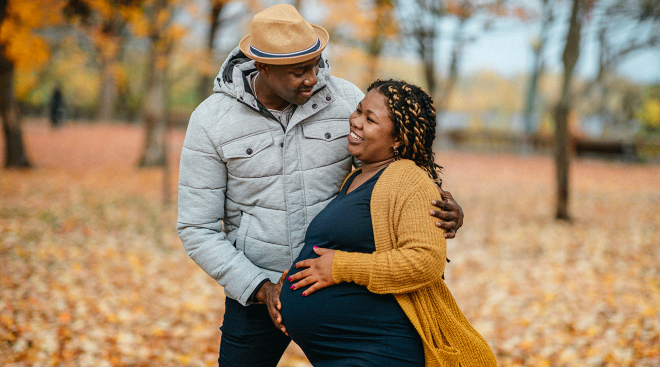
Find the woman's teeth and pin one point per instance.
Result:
(355, 136)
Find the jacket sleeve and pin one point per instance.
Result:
(201, 209)
(416, 260)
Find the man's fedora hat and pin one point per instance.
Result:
(280, 36)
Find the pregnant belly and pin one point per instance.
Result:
(344, 310)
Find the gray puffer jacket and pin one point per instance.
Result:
(248, 188)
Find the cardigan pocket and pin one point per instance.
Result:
(442, 348)
(448, 356)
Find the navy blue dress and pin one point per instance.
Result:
(345, 324)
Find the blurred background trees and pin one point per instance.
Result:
(152, 61)
(22, 50)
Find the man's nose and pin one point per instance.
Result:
(311, 79)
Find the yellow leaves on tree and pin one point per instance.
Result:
(162, 18)
(362, 19)
(138, 23)
(24, 46)
(462, 9)
(649, 115)
(104, 26)
(367, 26)
(155, 21)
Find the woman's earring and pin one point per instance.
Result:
(396, 154)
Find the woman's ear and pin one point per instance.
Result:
(397, 143)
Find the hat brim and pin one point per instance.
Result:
(321, 34)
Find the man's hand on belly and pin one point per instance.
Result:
(269, 294)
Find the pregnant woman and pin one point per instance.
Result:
(367, 288)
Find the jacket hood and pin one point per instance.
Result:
(233, 77)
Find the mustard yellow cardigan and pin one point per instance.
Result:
(409, 262)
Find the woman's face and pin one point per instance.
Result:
(371, 138)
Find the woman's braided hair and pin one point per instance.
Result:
(413, 115)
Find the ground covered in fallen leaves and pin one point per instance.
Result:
(93, 273)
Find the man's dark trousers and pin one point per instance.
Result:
(249, 337)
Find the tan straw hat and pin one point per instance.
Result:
(280, 36)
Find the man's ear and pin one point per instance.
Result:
(261, 67)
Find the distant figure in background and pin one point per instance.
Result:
(57, 107)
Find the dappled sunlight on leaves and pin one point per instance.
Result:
(93, 272)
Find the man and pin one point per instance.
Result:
(262, 156)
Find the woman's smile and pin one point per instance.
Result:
(354, 138)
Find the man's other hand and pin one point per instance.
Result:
(269, 294)
(450, 213)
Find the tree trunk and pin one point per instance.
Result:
(9, 114)
(457, 44)
(155, 116)
(154, 111)
(537, 69)
(570, 56)
(561, 160)
(108, 95)
(373, 54)
(427, 53)
(383, 10)
(205, 84)
(530, 97)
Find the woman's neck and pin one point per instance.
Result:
(368, 170)
(371, 169)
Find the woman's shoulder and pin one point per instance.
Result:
(407, 171)
(405, 175)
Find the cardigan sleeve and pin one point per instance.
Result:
(416, 259)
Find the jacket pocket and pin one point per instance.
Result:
(242, 231)
(247, 146)
(252, 156)
(325, 141)
(328, 130)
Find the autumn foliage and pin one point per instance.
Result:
(25, 47)
(93, 273)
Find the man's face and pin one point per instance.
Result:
(293, 83)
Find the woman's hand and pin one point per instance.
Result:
(318, 273)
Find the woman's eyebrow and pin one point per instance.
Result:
(372, 113)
